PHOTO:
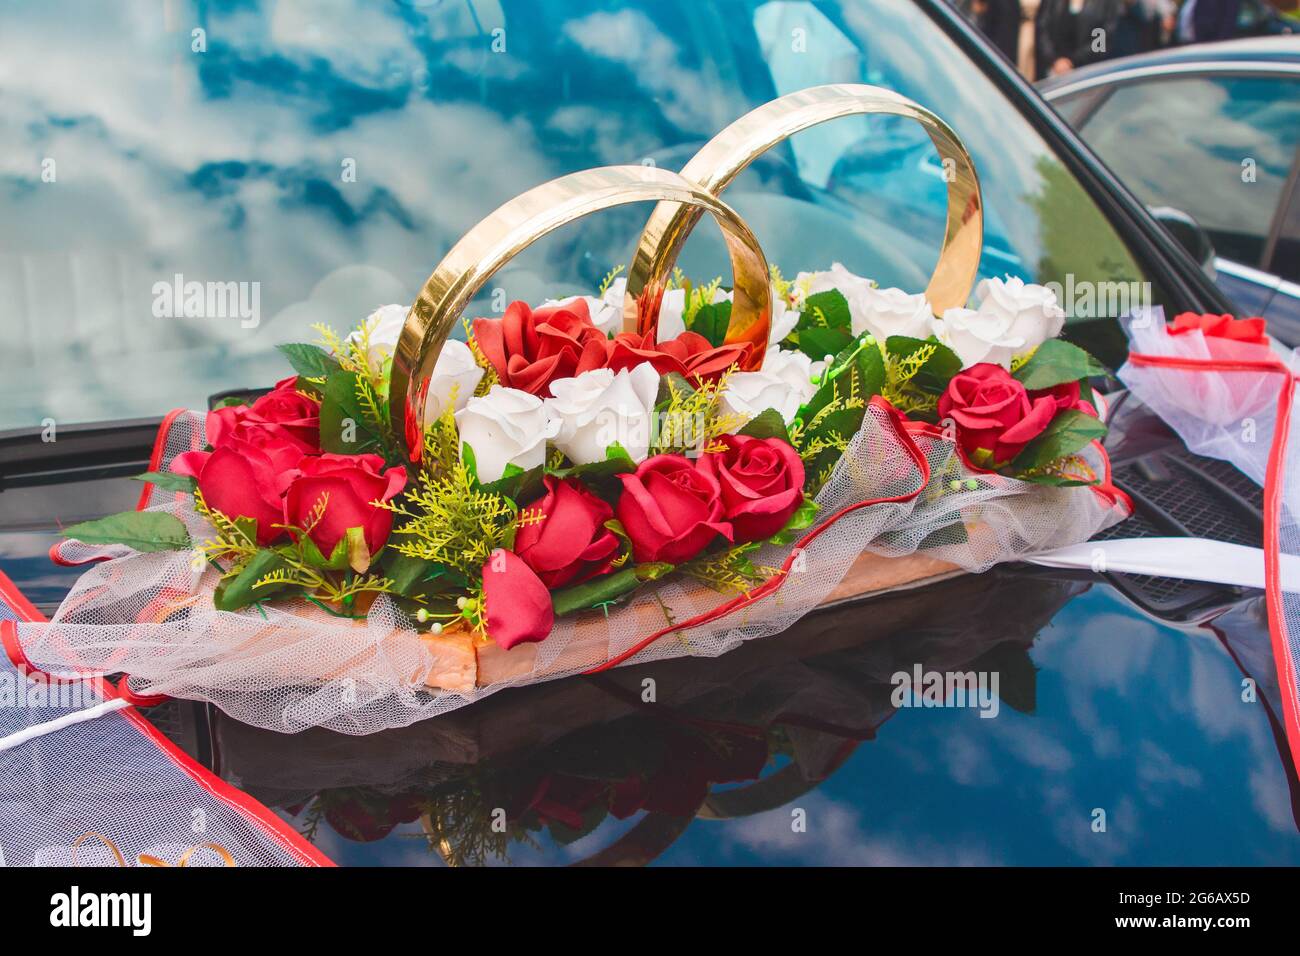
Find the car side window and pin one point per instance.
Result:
(1286, 253)
(1217, 147)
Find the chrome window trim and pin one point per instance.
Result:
(1245, 68)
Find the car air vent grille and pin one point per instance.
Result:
(1178, 493)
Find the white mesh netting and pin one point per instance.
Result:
(1233, 401)
(109, 777)
(290, 666)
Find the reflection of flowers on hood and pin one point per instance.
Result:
(1013, 318)
(783, 383)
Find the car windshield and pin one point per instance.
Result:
(304, 162)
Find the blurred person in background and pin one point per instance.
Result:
(1211, 20)
(999, 20)
(1070, 33)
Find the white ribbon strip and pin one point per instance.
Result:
(67, 720)
(1193, 559)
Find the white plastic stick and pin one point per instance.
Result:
(1193, 559)
(67, 720)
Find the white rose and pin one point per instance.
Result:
(505, 427)
(836, 277)
(886, 312)
(455, 369)
(784, 383)
(598, 408)
(975, 337)
(784, 318)
(1018, 316)
(385, 327)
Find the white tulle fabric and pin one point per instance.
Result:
(290, 666)
(1232, 414)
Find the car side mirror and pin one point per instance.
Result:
(1189, 234)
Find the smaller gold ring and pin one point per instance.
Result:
(728, 154)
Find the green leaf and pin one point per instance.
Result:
(712, 321)
(1056, 362)
(600, 590)
(1069, 431)
(168, 481)
(239, 591)
(309, 361)
(338, 407)
(938, 369)
(1056, 481)
(817, 342)
(231, 401)
(767, 424)
(871, 369)
(617, 462)
(802, 518)
(671, 382)
(407, 572)
(141, 530)
(834, 313)
(337, 561)
(515, 483)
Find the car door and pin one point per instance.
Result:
(1219, 145)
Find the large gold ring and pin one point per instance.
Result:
(522, 221)
(725, 156)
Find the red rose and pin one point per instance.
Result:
(671, 509)
(290, 411)
(1246, 331)
(571, 543)
(530, 347)
(1067, 395)
(245, 478)
(995, 416)
(761, 481)
(519, 607)
(291, 418)
(346, 484)
(690, 355)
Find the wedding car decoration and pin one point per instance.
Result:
(663, 467)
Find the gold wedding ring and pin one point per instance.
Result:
(725, 156)
(681, 200)
(521, 222)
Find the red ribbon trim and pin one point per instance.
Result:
(1277, 630)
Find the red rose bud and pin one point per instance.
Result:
(570, 544)
(244, 478)
(292, 412)
(761, 481)
(531, 347)
(994, 414)
(690, 355)
(1067, 395)
(519, 607)
(347, 484)
(671, 509)
(1246, 331)
(291, 419)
